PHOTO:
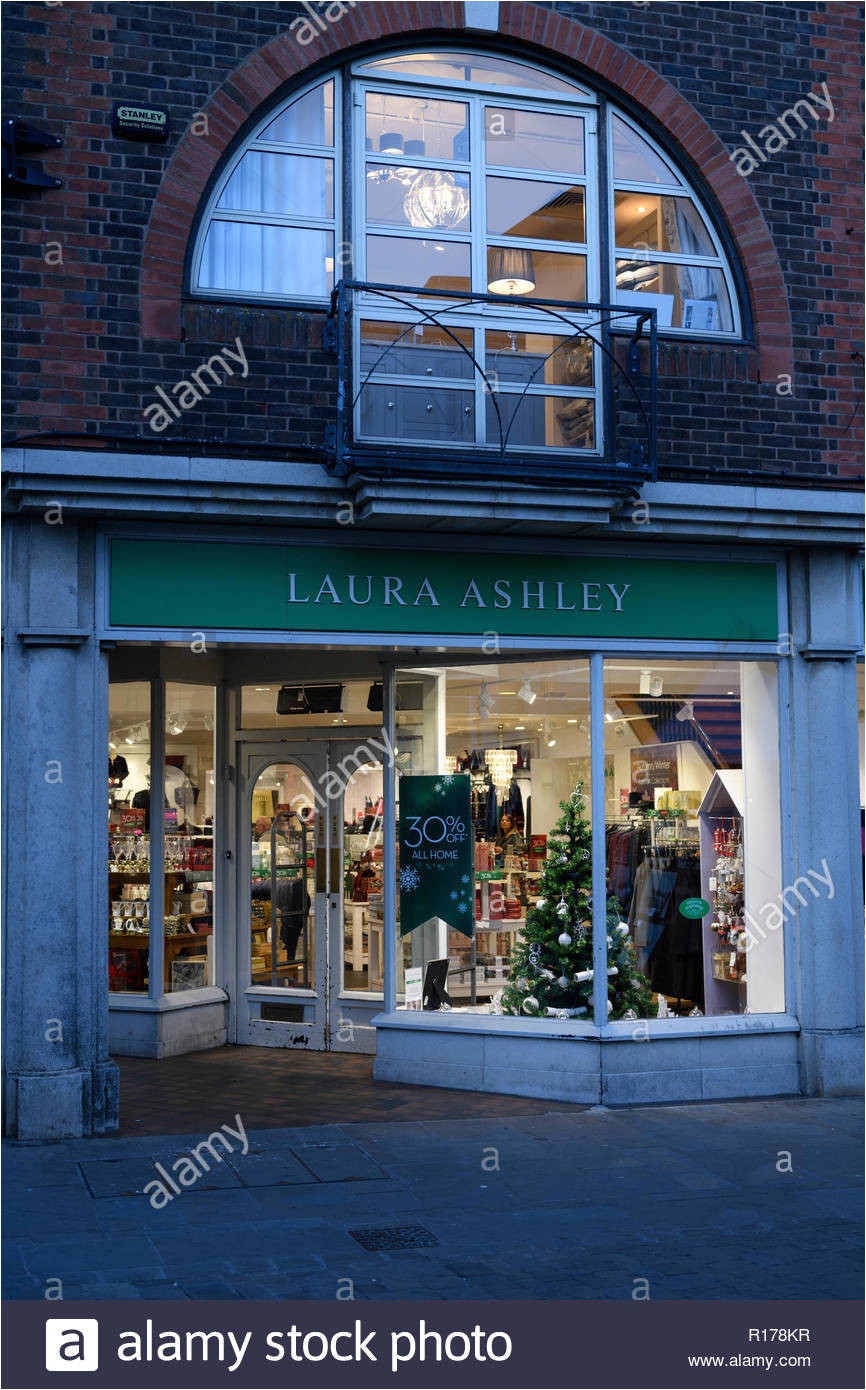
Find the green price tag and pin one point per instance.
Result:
(694, 907)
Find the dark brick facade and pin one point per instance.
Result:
(89, 339)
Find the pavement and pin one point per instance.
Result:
(753, 1199)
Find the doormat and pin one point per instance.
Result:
(394, 1237)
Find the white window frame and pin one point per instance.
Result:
(475, 316)
(332, 224)
(682, 189)
(481, 316)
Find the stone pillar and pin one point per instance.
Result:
(825, 608)
(58, 1081)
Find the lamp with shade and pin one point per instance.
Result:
(511, 271)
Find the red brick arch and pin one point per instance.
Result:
(266, 71)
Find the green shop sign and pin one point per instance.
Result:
(294, 588)
(436, 853)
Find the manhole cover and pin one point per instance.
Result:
(394, 1237)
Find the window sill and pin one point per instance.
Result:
(620, 1032)
(183, 999)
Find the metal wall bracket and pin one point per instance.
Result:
(24, 173)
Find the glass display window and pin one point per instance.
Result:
(129, 837)
(188, 837)
(495, 839)
(161, 909)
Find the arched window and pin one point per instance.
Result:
(470, 174)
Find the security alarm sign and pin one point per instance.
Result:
(137, 122)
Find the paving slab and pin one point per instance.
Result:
(688, 1197)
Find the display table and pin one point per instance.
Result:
(173, 947)
(363, 920)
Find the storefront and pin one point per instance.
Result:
(452, 430)
(271, 911)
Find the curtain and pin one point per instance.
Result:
(695, 281)
(263, 258)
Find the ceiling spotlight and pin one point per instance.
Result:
(583, 726)
(686, 711)
(645, 679)
(656, 686)
(551, 743)
(176, 723)
(527, 694)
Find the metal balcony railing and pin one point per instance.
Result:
(439, 383)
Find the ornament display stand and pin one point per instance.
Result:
(723, 801)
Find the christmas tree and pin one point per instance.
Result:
(551, 965)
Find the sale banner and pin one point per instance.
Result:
(436, 853)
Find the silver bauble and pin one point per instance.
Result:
(530, 1004)
(564, 939)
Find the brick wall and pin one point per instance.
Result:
(75, 356)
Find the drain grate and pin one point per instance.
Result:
(394, 1237)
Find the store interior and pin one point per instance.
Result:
(681, 739)
(189, 805)
(674, 737)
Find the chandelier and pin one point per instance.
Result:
(500, 763)
(436, 201)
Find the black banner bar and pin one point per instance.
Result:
(414, 1345)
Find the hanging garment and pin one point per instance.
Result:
(492, 818)
(118, 770)
(293, 904)
(513, 803)
(668, 946)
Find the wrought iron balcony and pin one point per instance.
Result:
(439, 383)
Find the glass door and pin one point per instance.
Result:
(356, 922)
(310, 939)
(282, 897)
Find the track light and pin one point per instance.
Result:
(527, 694)
(686, 711)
